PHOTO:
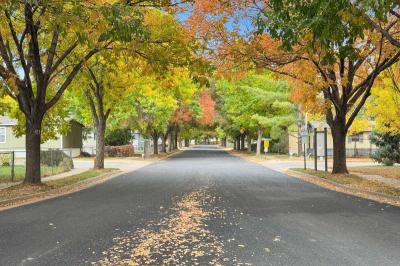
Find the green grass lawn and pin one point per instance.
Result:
(5, 172)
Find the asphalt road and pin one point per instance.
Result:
(201, 207)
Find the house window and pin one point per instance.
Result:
(2, 135)
(356, 138)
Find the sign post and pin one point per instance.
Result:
(326, 148)
(304, 140)
(315, 150)
(266, 145)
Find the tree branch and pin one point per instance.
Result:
(51, 54)
(69, 79)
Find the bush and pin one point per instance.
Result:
(119, 151)
(53, 157)
(67, 164)
(119, 137)
(388, 151)
(5, 159)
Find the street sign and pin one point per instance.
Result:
(266, 145)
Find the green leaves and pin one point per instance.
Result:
(327, 25)
(257, 101)
(126, 23)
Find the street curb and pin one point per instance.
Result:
(166, 156)
(65, 190)
(376, 196)
(57, 192)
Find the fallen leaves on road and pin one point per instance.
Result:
(182, 238)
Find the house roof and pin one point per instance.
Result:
(7, 121)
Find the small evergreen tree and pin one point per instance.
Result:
(388, 145)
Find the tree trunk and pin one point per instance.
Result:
(100, 145)
(164, 143)
(242, 137)
(259, 139)
(339, 147)
(170, 142)
(223, 142)
(176, 140)
(248, 143)
(32, 170)
(155, 142)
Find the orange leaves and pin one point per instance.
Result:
(182, 114)
(207, 105)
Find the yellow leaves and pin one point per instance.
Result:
(149, 91)
(6, 103)
(384, 103)
(385, 107)
(359, 125)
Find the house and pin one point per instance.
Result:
(70, 143)
(356, 145)
(89, 141)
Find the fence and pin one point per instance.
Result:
(53, 161)
(350, 152)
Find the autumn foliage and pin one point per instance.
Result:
(207, 105)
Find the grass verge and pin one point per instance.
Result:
(385, 171)
(353, 181)
(23, 190)
(19, 172)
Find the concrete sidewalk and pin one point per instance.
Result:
(282, 165)
(124, 164)
(82, 165)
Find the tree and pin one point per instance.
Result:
(44, 44)
(331, 47)
(256, 104)
(109, 79)
(100, 92)
(186, 91)
(345, 56)
(207, 106)
(154, 107)
(388, 145)
(383, 16)
(386, 93)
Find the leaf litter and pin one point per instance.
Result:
(181, 238)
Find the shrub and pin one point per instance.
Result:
(67, 164)
(119, 137)
(388, 151)
(5, 159)
(119, 151)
